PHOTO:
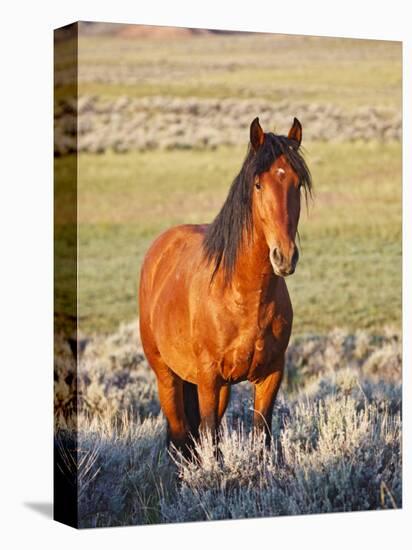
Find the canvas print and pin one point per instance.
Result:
(228, 263)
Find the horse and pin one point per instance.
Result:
(214, 306)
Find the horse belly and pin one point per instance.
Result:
(176, 351)
(171, 329)
(169, 310)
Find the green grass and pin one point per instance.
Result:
(349, 73)
(349, 274)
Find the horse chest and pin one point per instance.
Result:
(251, 356)
(247, 338)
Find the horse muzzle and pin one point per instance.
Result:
(284, 265)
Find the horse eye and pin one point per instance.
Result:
(257, 185)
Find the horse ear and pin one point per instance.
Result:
(295, 132)
(257, 136)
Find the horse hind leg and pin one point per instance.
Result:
(191, 407)
(192, 410)
(170, 389)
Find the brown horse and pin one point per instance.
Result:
(214, 307)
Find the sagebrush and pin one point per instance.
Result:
(336, 435)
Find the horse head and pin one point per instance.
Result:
(277, 180)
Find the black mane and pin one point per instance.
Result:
(224, 236)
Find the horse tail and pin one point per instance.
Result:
(191, 407)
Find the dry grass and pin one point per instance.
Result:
(337, 421)
(126, 124)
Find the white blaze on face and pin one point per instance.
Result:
(280, 171)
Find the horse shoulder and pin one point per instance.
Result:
(282, 319)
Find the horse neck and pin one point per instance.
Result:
(254, 271)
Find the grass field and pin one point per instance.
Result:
(338, 415)
(349, 274)
(301, 68)
(350, 269)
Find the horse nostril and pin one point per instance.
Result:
(277, 256)
(295, 258)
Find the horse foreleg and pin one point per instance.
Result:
(224, 396)
(209, 387)
(266, 390)
(170, 388)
